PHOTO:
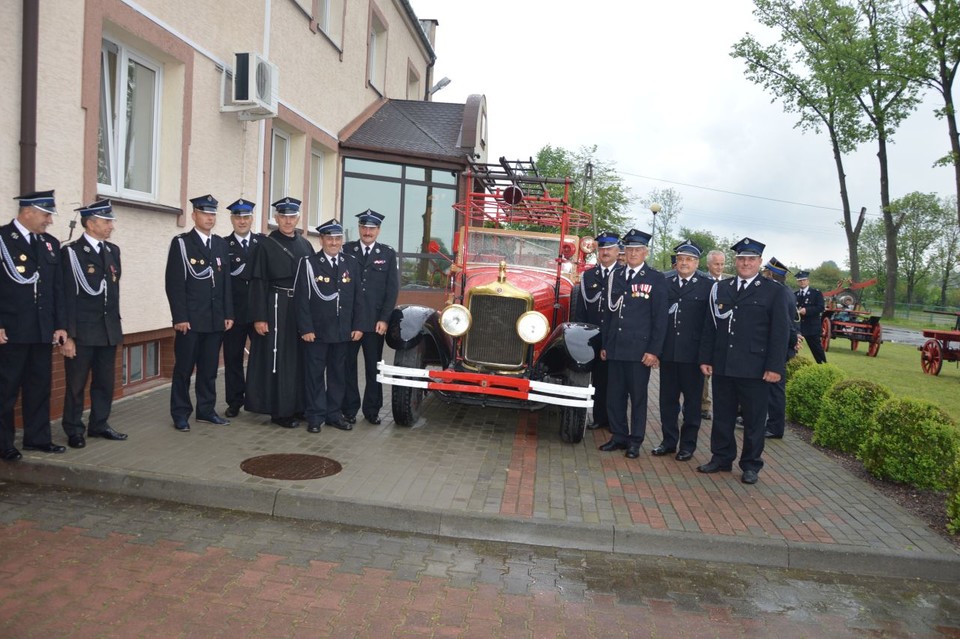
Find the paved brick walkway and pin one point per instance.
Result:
(78, 564)
(490, 473)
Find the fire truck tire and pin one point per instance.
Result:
(573, 421)
(406, 401)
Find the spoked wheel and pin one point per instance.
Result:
(406, 401)
(573, 421)
(931, 357)
(826, 327)
(875, 340)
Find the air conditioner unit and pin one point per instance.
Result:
(255, 86)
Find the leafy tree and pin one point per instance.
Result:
(873, 252)
(922, 215)
(671, 205)
(798, 71)
(605, 196)
(946, 249)
(935, 31)
(826, 276)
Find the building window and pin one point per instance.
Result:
(413, 83)
(280, 165)
(424, 232)
(141, 363)
(129, 123)
(377, 52)
(316, 188)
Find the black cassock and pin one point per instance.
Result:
(275, 368)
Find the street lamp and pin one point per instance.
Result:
(654, 208)
(588, 177)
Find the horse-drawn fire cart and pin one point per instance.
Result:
(940, 346)
(845, 316)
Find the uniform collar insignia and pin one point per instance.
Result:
(86, 249)
(15, 235)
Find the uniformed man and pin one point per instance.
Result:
(32, 319)
(810, 305)
(776, 424)
(687, 293)
(242, 246)
(716, 260)
(275, 369)
(201, 305)
(744, 347)
(91, 275)
(379, 284)
(329, 310)
(633, 335)
(589, 308)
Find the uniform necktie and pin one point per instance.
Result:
(743, 285)
(206, 243)
(604, 271)
(35, 243)
(243, 243)
(630, 274)
(683, 282)
(366, 251)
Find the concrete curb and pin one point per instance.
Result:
(291, 503)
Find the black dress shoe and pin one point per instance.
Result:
(286, 422)
(109, 433)
(373, 419)
(313, 428)
(684, 455)
(340, 425)
(596, 425)
(770, 435)
(47, 448)
(749, 477)
(714, 467)
(350, 419)
(232, 411)
(612, 445)
(76, 441)
(182, 425)
(10, 454)
(661, 450)
(633, 452)
(213, 419)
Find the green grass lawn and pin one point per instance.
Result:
(897, 366)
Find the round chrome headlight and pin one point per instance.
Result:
(455, 320)
(532, 327)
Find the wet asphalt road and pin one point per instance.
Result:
(76, 564)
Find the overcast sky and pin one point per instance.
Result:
(652, 84)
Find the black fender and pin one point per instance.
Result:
(571, 347)
(411, 326)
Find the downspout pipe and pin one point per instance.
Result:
(28, 95)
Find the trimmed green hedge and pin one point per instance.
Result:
(796, 363)
(806, 389)
(953, 499)
(847, 409)
(912, 442)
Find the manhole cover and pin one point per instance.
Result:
(290, 466)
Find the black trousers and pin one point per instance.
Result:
(816, 347)
(25, 367)
(372, 345)
(200, 351)
(676, 379)
(599, 378)
(777, 408)
(234, 348)
(323, 381)
(627, 384)
(101, 361)
(752, 395)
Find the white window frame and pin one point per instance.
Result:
(317, 159)
(280, 133)
(116, 127)
(376, 75)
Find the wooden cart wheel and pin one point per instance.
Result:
(825, 333)
(931, 357)
(875, 340)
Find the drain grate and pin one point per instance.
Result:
(290, 466)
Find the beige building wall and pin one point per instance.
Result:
(323, 87)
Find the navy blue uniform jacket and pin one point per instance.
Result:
(30, 313)
(327, 299)
(241, 270)
(92, 320)
(686, 312)
(379, 281)
(751, 333)
(636, 322)
(198, 282)
(813, 302)
(591, 297)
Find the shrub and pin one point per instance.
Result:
(911, 441)
(796, 363)
(848, 408)
(953, 499)
(806, 389)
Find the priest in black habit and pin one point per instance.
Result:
(275, 368)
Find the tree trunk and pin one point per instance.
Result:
(852, 232)
(951, 118)
(890, 229)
